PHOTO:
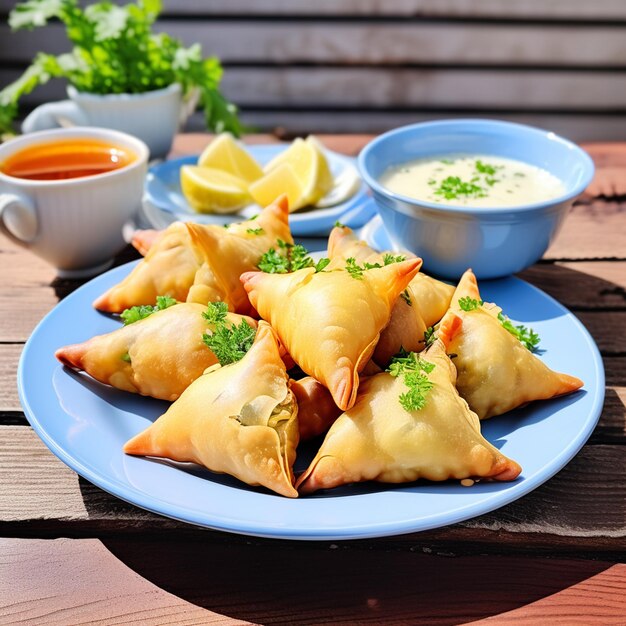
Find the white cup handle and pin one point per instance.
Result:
(54, 115)
(18, 218)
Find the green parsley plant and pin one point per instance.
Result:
(115, 51)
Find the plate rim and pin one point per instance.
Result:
(142, 499)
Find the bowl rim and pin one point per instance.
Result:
(377, 188)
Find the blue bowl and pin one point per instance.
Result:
(494, 242)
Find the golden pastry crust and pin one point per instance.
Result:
(240, 419)
(159, 356)
(330, 322)
(424, 304)
(496, 373)
(200, 263)
(378, 439)
(316, 408)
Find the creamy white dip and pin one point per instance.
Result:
(476, 180)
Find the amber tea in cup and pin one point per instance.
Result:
(66, 158)
(66, 194)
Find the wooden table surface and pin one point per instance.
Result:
(71, 553)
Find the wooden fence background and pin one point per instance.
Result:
(369, 65)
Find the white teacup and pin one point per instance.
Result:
(153, 116)
(75, 223)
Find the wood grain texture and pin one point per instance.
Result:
(585, 504)
(348, 583)
(96, 588)
(285, 87)
(500, 9)
(599, 599)
(348, 42)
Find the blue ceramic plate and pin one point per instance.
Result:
(85, 424)
(164, 193)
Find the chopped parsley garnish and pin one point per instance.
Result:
(389, 258)
(289, 258)
(125, 357)
(136, 313)
(356, 271)
(406, 297)
(255, 231)
(446, 161)
(452, 187)
(338, 224)
(527, 336)
(469, 304)
(486, 168)
(429, 336)
(228, 342)
(414, 371)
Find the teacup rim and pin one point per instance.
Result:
(569, 195)
(137, 145)
(73, 92)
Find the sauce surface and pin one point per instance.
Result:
(67, 158)
(474, 180)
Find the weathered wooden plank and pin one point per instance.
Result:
(27, 278)
(585, 502)
(336, 586)
(593, 230)
(400, 42)
(457, 9)
(595, 600)
(581, 284)
(583, 126)
(285, 87)
(9, 358)
(96, 588)
(33, 482)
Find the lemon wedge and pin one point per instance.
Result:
(226, 154)
(210, 190)
(282, 179)
(308, 164)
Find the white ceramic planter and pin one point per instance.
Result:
(153, 117)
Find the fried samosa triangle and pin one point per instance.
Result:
(200, 263)
(240, 419)
(316, 408)
(159, 356)
(330, 322)
(496, 372)
(406, 427)
(227, 256)
(421, 306)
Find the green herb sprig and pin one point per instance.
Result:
(115, 51)
(289, 258)
(414, 371)
(453, 187)
(356, 271)
(526, 336)
(229, 342)
(469, 304)
(136, 313)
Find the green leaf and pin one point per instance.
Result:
(36, 13)
(109, 20)
(137, 313)
(216, 312)
(527, 336)
(469, 304)
(288, 258)
(322, 264)
(255, 231)
(414, 371)
(227, 341)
